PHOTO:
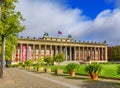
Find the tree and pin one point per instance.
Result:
(110, 54)
(48, 60)
(10, 42)
(10, 24)
(59, 58)
(114, 53)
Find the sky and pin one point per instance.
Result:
(85, 20)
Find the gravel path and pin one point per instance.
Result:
(16, 78)
(21, 79)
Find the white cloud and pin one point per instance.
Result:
(45, 16)
(48, 17)
(116, 2)
(106, 26)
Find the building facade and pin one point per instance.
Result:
(49, 46)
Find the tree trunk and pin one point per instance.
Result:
(3, 64)
(3, 51)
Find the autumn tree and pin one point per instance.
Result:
(10, 25)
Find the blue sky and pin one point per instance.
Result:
(85, 20)
(91, 8)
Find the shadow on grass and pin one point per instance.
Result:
(99, 84)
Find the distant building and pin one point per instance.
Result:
(49, 46)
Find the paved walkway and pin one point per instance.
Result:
(16, 78)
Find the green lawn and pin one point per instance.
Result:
(108, 70)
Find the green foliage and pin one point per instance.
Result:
(11, 41)
(48, 60)
(15, 65)
(114, 53)
(9, 65)
(21, 64)
(118, 69)
(28, 62)
(93, 68)
(0, 52)
(72, 66)
(40, 62)
(59, 58)
(10, 25)
(107, 71)
(10, 19)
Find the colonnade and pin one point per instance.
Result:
(71, 52)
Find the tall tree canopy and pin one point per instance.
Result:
(114, 53)
(10, 25)
(10, 19)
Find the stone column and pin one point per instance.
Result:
(27, 52)
(45, 50)
(33, 52)
(83, 55)
(74, 53)
(39, 52)
(101, 53)
(66, 53)
(79, 53)
(70, 54)
(106, 54)
(87, 53)
(20, 51)
(91, 53)
(56, 51)
(51, 51)
(94, 53)
(61, 49)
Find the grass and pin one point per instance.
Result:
(108, 70)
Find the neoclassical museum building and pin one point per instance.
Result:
(32, 48)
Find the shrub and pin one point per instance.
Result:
(118, 69)
(28, 62)
(59, 58)
(48, 60)
(35, 66)
(72, 66)
(15, 65)
(20, 64)
(9, 65)
(93, 68)
(40, 62)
